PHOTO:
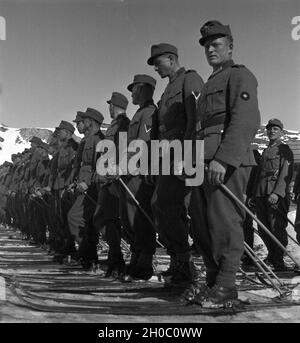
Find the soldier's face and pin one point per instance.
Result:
(163, 65)
(43, 152)
(80, 126)
(63, 134)
(111, 110)
(51, 150)
(136, 94)
(87, 123)
(218, 51)
(274, 133)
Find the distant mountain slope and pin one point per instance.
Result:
(14, 140)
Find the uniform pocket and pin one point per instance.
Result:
(133, 130)
(63, 160)
(273, 163)
(87, 155)
(175, 97)
(215, 100)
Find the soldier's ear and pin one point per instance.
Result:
(171, 58)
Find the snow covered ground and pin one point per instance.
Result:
(13, 313)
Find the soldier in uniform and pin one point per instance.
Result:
(66, 156)
(48, 189)
(24, 195)
(7, 184)
(140, 127)
(272, 185)
(3, 192)
(228, 118)
(35, 158)
(13, 186)
(296, 191)
(108, 210)
(39, 207)
(80, 216)
(176, 118)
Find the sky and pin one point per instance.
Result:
(63, 56)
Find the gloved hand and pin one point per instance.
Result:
(47, 189)
(82, 187)
(251, 202)
(273, 199)
(38, 193)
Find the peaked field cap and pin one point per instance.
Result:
(214, 28)
(161, 49)
(142, 78)
(55, 132)
(35, 140)
(118, 99)
(93, 114)
(65, 125)
(6, 164)
(79, 117)
(274, 122)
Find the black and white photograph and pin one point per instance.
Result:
(149, 165)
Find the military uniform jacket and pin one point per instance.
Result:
(296, 189)
(33, 165)
(141, 124)
(176, 114)
(15, 178)
(26, 177)
(89, 158)
(8, 177)
(41, 170)
(77, 160)
(228, 115)
(52, 171)
(119, 124)
(65, 159)
(275, 170)
(21, 184)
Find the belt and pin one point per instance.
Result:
(214, 121)
(268, 173)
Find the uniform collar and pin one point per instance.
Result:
(224, 66)
(93, 134)
(146, 104)
(178, 72)
(120, 116)
(275, 143)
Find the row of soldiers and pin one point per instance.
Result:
(64, 201)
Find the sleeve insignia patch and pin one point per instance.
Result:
(147, 128)
(245, 96)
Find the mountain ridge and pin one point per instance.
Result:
(14, 140)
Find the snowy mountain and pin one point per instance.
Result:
(14, 140)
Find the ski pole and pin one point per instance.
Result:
(263, 264)
(262, 270)
(140, 208)
(232, 196)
